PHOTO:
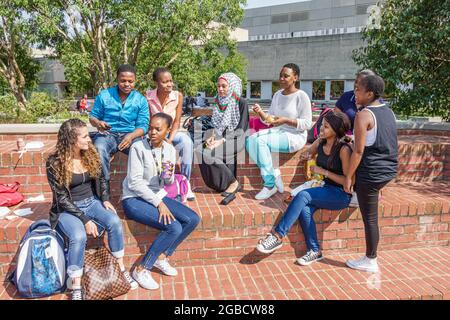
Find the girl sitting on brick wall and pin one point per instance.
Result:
(290, 114)
(144, 200)
(81, 200)
(165, 99)
(218, 153)
(333, 160)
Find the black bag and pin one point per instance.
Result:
(203, 122)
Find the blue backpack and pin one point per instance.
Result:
(41, 262)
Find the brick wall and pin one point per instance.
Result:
(411, 214)
(421, 159)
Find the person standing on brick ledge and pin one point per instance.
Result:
(374, 161)
(81, 204)
(165, 99)
(121, 116)
(144, 200)
(333, 161)
(291, 115)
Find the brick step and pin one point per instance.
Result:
(416, 273)
(411, 215)
(421, 159)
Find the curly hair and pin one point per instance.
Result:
(62, 157)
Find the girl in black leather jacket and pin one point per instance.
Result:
(81, 204)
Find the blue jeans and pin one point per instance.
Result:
(73, 228)
(107, 145)
(183, 144)
(259, 147)
(171, 235)
(303, 207)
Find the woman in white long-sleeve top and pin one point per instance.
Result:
(290, 115)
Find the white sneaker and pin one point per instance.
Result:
(190, 196)
(278, 181)
(77, 294)
(165, 267)
(354, 201)
(364, 264)
(133, 284)
(266, 193)
(145, 279)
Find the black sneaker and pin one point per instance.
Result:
(269, 244)
(310, 257)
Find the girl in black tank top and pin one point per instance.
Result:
(333, 158)
(374, 162)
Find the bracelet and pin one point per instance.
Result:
(326, 174)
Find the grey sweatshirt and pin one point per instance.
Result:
(142, 178)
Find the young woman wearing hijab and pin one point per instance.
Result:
(219, 152)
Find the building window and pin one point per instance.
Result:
(280, 18)
(318, 90)
(275, 87)
(362, 9)
(255, 90)
(299, 16)
(337, 89)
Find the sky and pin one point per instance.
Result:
(264, 3)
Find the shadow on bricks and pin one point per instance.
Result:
(254, 257)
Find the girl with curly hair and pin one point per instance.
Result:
(80, 205)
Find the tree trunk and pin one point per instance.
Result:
(18, 92)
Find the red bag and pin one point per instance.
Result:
(9, 195)
(256, 125)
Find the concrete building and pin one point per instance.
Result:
(51, 77)
(318, 35)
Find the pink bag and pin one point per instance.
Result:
(179, 189)
(255, 124)
(9, 196)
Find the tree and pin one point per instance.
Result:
(409, 47)
(17, 68)
(94, 37)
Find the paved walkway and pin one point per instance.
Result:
(422, 273)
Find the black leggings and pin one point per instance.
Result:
(368, 204)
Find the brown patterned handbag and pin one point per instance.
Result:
(102, 278)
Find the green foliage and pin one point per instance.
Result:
(410, 49)
(30, 67)
(40, 105)
(9, 108)
(16, 39)
(181, 35)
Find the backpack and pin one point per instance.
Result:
(190, 124)
(9, 196)
(314, 132)
(178, 189)
(41, 262)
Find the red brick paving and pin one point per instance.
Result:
(422, 273)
